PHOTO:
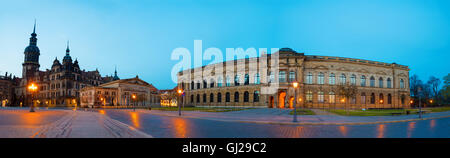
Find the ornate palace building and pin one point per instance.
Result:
(375, 84)
(58, 86)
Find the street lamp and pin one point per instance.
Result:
(295, 85)
(32, 88)
(133, 96)
(180, 92)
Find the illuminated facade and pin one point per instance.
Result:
(120, 93)
(378, 84)
(58, 86)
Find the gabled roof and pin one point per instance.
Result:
(134, 80)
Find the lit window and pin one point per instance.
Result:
(320, 97)
(332, 97)
(309, 96)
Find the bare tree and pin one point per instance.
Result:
(347, 91)
(434, 83)
(415, 83)
(445, 91)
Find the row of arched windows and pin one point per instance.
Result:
(353, 79)
(218, 99)
(332, 98)
(236, 82)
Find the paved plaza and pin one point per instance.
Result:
(252, 123)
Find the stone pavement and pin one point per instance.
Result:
(72, 124)
(80, 124)
(281, 116)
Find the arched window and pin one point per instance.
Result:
(211, 84)
(332, 97)
(402, 83)
(363, 98)
(192, 98)
(198, 98)
(389, 98)
(380, 82)
(204, 98)
(236, 80)
(256, 96)
(332, 79)
(372, 82)
(372, 98)
(246, 80)
(389, 83)
(353, 80)
(236, 97)
(291, 76)
(381, 99)
(219, 82)
(309, 78)
(320, 97)
(192, 85)
(219, 97)
(228, 81)
(246, 96)
(363, 81)
(321, 78)
(282, 76)
(211, 98)
(257, 80)
(198, 85)
(205, 84)
(343, 79)
(309, 96)
(227, 97)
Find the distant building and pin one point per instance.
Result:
(120, 93)
(58, 86)
(169, 97)
(7, 84)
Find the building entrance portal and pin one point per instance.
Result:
(281, 100)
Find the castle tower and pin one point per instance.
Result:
(31, 62)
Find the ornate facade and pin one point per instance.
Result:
(119, 93)
(244, 82)
(58, 86)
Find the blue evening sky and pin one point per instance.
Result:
(139, 36)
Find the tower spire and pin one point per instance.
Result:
(34, 28)
(67, 50)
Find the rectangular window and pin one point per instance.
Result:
(282, 76)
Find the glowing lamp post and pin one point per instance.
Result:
(295, 86)
(32, 88)
(180, 92)
(134, 97)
